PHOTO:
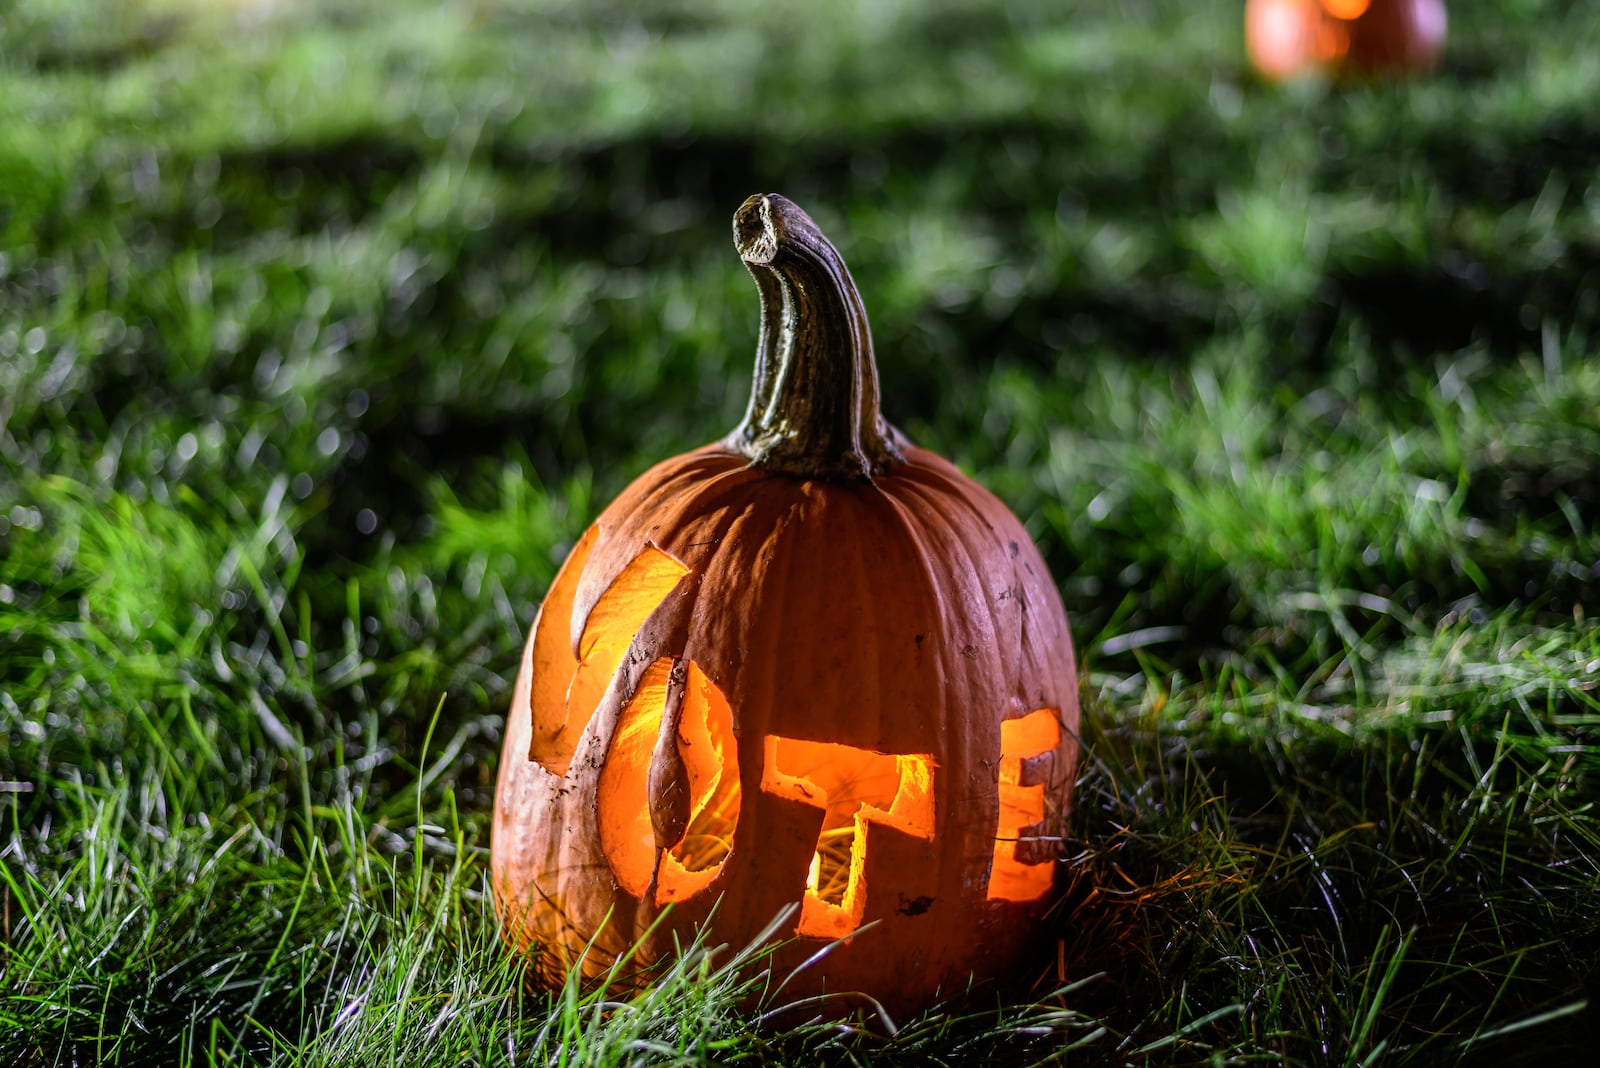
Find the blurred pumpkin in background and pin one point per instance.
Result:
(810, 667)
(1343, 38)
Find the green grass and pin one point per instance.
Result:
(325, 329)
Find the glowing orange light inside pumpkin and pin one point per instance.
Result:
(585, 673)
(1022, 806)
(853, 787)
(1346, 9)
(705, 742)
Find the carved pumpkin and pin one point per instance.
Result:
(1286, 38)
(808, 664)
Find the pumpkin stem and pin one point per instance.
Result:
(814, 402)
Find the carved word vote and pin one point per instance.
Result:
(853, 787)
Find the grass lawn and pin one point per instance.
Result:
(325, 328)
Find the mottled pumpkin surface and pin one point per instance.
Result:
(909, 616)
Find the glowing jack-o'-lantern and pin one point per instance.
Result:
(810, 664)
(1286, 38)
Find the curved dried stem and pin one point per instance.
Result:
(814, 402)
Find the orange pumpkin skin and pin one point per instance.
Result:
(781, 643)
(1287, 38)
